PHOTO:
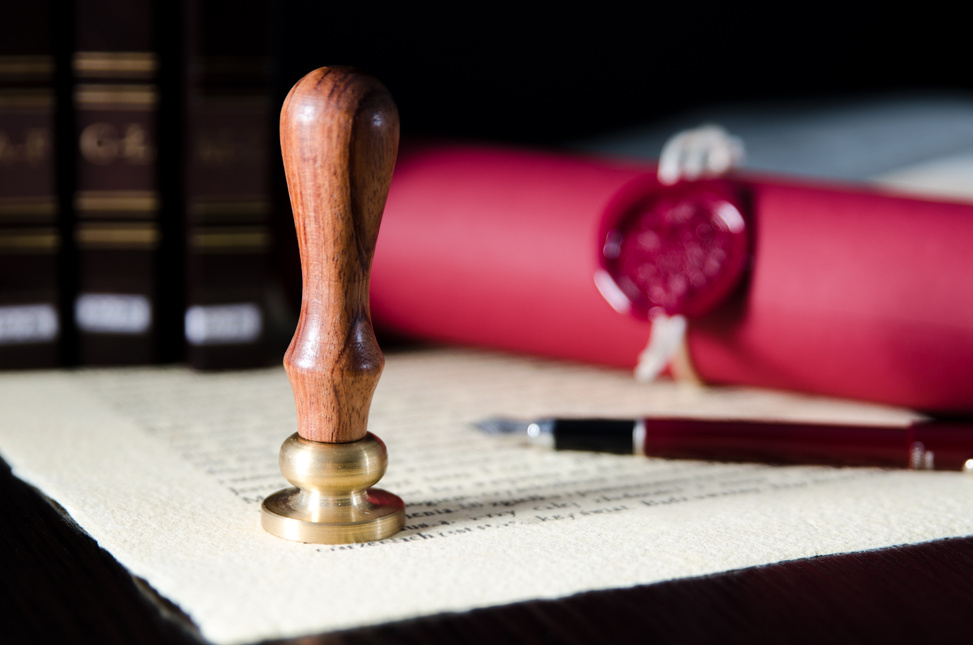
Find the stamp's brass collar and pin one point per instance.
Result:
(332, 502)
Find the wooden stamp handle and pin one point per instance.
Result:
(339, 134)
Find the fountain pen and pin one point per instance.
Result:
(921, 445)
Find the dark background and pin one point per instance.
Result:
(558, 74)
(521, 73)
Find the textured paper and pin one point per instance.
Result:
(165, 469)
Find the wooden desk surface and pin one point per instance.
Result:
(57, 584)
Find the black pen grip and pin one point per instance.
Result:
(594, 435)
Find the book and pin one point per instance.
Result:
(30, 213)
(127, 279)
(229, 138)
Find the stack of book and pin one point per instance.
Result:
(135, 194)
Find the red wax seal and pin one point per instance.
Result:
(677, 250)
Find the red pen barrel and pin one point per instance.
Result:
(949, 444)
(777, 443)
(939, 445)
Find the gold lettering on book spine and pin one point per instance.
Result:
(104, 143)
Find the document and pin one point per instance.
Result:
(166, 468)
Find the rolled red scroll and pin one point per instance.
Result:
(849, 291)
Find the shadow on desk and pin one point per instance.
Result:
(58, 585)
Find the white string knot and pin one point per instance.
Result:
(706, 151)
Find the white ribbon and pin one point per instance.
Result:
(706, 151)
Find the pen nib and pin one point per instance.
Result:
(501, 425)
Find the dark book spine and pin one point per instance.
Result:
(30, 240)
(119, 230)
(230, 124)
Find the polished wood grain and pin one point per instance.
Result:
(339, 135)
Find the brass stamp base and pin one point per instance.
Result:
(332, 502)
(287, 515)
